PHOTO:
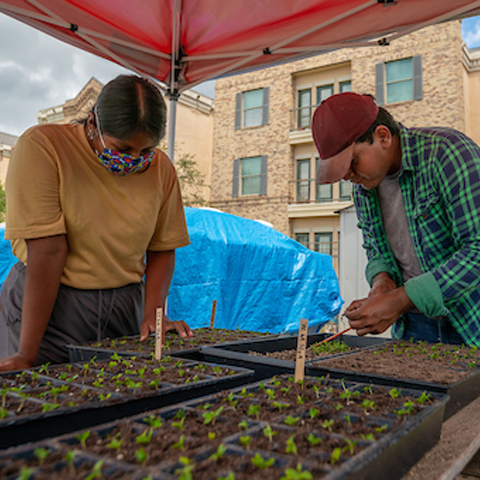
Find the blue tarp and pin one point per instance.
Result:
(7, 259)
(262, 279)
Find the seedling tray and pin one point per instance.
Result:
(259, 431)
(257, 354)
(174, 344)
(457, 369)
(48, 401)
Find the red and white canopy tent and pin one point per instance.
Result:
(183, 43)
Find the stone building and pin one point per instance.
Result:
(7, 142)
(264, 158)
(194, 129)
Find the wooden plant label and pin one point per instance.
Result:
(158, 334)
(301, 350)
(212, 318)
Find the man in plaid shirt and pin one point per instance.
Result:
(417, 197)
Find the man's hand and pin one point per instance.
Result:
(180, 326)
(378, 312)
(16, 361)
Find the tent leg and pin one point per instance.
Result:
(172, 120)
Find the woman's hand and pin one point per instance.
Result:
(16, 361)
(180, 326)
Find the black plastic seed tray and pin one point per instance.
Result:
(255, 354)
(245, 433)
(49, 401)
(174, 344)
(461, 392)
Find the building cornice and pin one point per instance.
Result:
(471, 59)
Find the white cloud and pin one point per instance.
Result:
(471, 32)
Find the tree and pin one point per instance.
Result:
(191, 179)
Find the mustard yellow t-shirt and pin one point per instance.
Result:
(56, 185)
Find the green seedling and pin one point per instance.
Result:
(394, 393)
(350, 446)
(328, 424)
(212, 435)
(82, 438)
(115, 443)
(335, 456)
(300, 400)
(297, 474)
(153, 421)
(41, 453)
(291, 445)
(245, 441)
(243, 424)
(269, 433)
(185, 473)
(180, 444)
(141, 455)
(291, 420)
(145, 437)
(424, 397)
(219, 453)
(313, 439)
(253, 410)
(270, 393)
(313, 412)
(210, 417)
(259, 462)
(70, 457)
(280, 405)
(25, 473)
(96, 471)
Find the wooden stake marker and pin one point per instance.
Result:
(301, 350)
(158, 334)
(212, 318)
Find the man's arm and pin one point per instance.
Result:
(46, 261)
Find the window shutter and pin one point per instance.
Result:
(380, 83)
(236, 177)
(417, 78)
(264, 175)
(238, 111)
(266, 101)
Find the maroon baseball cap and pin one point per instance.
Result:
(338, 122)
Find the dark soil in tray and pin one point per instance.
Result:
(173, 341)
(51, 388)
(313, 352)
(256, 432)
(433, 363)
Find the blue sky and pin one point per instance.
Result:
(37, 71)
(471, 32)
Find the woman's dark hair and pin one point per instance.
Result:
(383, 118)
(130, 104)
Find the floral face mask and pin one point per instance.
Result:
(120, 163)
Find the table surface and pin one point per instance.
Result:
(455, 455)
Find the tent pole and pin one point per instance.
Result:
(172, 120)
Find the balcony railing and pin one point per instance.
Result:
(301, 118)
(329, 248)
(307, 191)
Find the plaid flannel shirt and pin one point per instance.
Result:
(440, 184)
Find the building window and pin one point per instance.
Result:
(323, 93)
(304, 108)
(303, 180)
(345, 187)
(345, 86)
(251, 108)
(324, 193)
(399, 80)
(323, 243)
(302, 238)
(250, 176)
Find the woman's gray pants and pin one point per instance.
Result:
(79, 316)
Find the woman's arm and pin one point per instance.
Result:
(46, 260)
(158, 275)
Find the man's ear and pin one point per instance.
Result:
(384, 136)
